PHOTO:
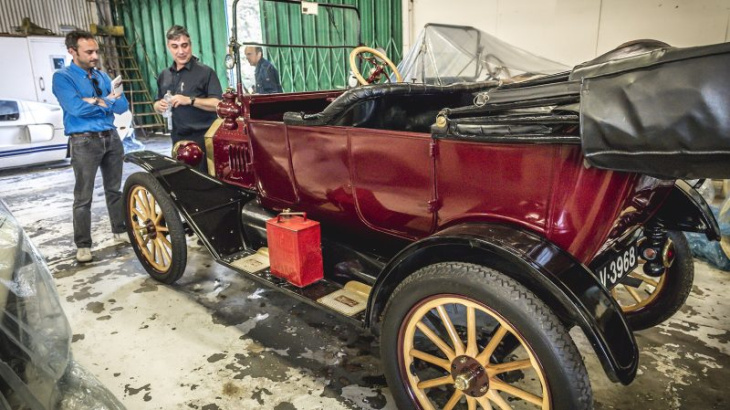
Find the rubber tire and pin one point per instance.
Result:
(172, 220)
(565, 373)
(676, 290)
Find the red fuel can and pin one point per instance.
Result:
(295, 251)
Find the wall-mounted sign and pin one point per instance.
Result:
(309, 7)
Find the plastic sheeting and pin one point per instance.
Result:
(37, 370)
(713, 252)
(131, 143)
(448, 54)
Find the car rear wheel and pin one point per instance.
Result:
(155, 227)
(648, 301)
(458, 335)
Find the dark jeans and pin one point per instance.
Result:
(87, 155)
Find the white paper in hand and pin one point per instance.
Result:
(117, 85)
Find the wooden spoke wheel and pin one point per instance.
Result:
(156, 228)
(642, 291)
(444, 349)
(470, 371)
(648, 301)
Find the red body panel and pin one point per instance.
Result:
(409, 185)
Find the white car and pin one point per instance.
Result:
(32, 132)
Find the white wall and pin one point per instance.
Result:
(573, 31)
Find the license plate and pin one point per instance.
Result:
(618, 265)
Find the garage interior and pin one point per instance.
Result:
(218, 340)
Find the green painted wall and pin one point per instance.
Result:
(146, 21)
(381, 25)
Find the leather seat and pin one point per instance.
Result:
(398, 106)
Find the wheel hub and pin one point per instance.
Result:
(150, 229)
(469, 376)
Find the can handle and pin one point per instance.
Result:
(287, 213)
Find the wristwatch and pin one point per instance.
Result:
(192, 101)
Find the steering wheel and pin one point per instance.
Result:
(496, 70)
(379, 61)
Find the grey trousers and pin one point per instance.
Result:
(87, 155)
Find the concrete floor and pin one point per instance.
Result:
(216, 340)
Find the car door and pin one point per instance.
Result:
(393, 181)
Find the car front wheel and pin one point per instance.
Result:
(155, 227)
(458, 335)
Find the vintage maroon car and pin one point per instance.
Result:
(469, 225)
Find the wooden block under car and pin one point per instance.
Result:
(295, 251)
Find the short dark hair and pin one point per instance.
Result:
(72, 38)
(259, 50)
(177, 31)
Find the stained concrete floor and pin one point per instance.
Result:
(216, 340)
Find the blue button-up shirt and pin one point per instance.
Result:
(70, 85)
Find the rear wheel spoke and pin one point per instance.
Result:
(451, 330)
(498, 400)
(439, 381)
(484, 402)
(436, 340)
(436, 361)
(510, 366)
(484, 356)
(454, 400)
(515, 391)
(471, 332)
(634, 294)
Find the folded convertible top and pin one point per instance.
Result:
(662, 111)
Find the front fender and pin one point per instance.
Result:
(571, 290)
(686, 210)
(211, 208)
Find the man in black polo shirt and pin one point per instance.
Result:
(195, 91)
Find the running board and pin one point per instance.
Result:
(348, 301)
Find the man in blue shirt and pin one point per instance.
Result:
(267, 78)
(89, 105)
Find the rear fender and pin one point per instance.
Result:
(211, 208)
(564, 284)
(686, 210)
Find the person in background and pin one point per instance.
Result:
(195, 88)
(267, 78)
(89, 104)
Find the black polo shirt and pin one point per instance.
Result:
(193, 80)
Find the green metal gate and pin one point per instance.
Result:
(146, 21)
(305, 69)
